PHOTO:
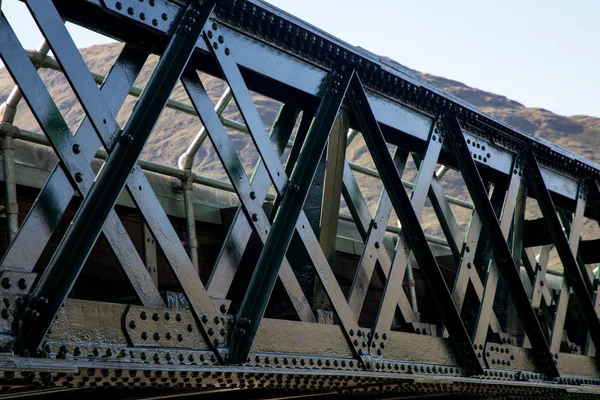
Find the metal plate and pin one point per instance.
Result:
(165, 328)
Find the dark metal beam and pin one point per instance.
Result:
(74, 173)
(573, 273)
(252, 204)
(72, 252)
(503, 257)
(413, 233)
(280, 235)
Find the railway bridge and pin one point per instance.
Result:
(126, 278)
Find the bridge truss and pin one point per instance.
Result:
(491, 326)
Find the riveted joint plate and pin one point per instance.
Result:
(157, 14)
(15, 282)
(9, 305)
(504, 356)
(170, 328)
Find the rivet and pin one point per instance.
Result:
(156, 336)
(144, 335)
(132, 324)
(143, 315)
(78, 177)
(155, 316)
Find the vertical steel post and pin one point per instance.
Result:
(330, 207)
(332, 188)
(72, 252)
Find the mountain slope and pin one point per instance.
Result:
(175, 130)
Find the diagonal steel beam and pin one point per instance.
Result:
(73, 250)
(412, 233)
(362, 218)
(356, 202)
(280, 235)
(573, 274)
(230, 69)
(493, 275)
(75, 70)
(373, 242)
(137, 185)
(594, 188)
(574, 233)
(59, 189)
(540, 289)
(400, 262)
(239, 233)
(252, 205)
(499, 246)
(464, 257)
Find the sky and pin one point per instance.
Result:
(542, 53)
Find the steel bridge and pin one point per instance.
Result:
(281, 283)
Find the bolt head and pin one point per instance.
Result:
(6, 283)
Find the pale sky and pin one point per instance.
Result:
(542, 53)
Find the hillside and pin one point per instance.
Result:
(175, 130)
